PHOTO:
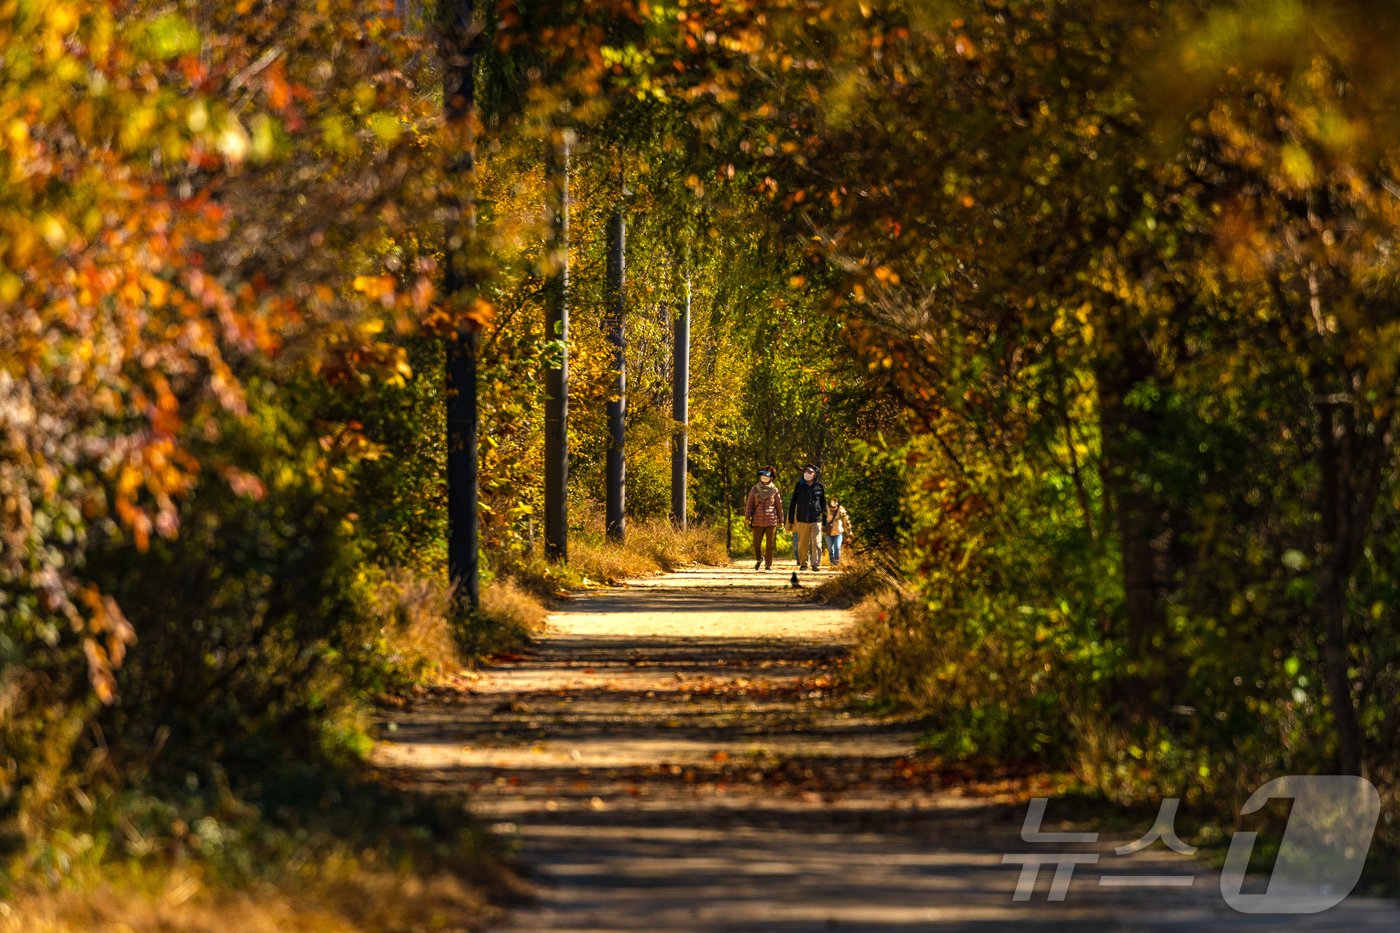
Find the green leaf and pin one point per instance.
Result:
(170, 36)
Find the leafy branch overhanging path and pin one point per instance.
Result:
(677, 755)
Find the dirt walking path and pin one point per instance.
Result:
(674, 756)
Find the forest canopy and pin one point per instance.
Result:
(1086, 310)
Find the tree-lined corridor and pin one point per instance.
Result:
(343, 342)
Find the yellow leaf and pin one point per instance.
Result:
(233, 141)
(52, 232)
(385, 126)
(62, 19)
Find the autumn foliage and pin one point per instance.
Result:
(199, 206)
(1088, 311)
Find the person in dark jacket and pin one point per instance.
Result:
(806, 512)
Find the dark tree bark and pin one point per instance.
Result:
(728, 504)
(1354, 456)
(459, 279)
(680, 408)
(616, 521)
(556, 381)
(1142, 522)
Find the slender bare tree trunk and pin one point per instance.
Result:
(728, 504)
(616, 521)
(459, 277)
(680, 408)
(556, 380)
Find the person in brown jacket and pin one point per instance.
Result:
(764, 511)
(835, 529)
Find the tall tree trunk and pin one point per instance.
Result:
(728, 503)
(460, 279)
(680, 408)
(1141, 520)
(1331, 606)
(1353, 464)
(556, 379)
(617, 401)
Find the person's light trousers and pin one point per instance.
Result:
(809, 544)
